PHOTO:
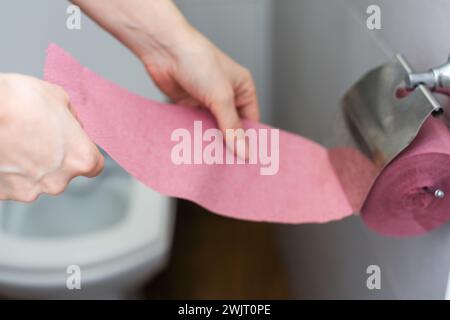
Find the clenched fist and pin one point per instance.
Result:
(42, 145)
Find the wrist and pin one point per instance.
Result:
(166, 41)
(157, 28)
(151, 28)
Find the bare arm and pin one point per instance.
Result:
(42, 145)
(183, 63)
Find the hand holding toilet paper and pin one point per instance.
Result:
(310, 183)
(42, 145)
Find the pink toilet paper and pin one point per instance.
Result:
(313, 184)
(402, 201)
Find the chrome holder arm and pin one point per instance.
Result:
(436, 79)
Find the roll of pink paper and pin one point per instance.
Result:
(402, 201)
(313, 184)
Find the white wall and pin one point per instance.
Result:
(29, 26)
(241, 28)
(321, 48)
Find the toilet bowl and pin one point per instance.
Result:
(108, 234)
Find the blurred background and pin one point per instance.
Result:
(131, 242)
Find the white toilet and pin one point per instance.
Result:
(116, 230)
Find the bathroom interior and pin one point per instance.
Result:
(132, 242)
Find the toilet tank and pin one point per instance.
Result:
(321, 48)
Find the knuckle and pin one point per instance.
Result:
(54, 188)
(248, 80)
(223, 98)
(27, 196)
(21, 190)
(250, 89)
(247, 73)
(88, 161)
(100, 165)
(61, 92)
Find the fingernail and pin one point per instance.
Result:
(237, 144)
(241, 148)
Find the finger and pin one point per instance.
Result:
(87, 161)
(21, 189)
(166, 83)
(74, 113)
(56, 90)
(188, 102)
(178, 95)
(55, 184)
(83, 157)
(97, 166)
(246, 98)
(224, 110)
(249, 109)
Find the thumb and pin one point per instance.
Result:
(224, 110)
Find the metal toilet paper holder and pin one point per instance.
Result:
(436, 79)
(386, 108)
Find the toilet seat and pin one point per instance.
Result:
(144, 228)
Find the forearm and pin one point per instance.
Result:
(183, 63)
(146, 27)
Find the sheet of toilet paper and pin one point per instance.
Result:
(311, 183)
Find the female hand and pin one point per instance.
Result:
(42, 145)
(185, 65)
(196, 73)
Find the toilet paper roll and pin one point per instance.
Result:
(402, 201)
(313, 184)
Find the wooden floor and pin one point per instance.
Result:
(219, 258)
